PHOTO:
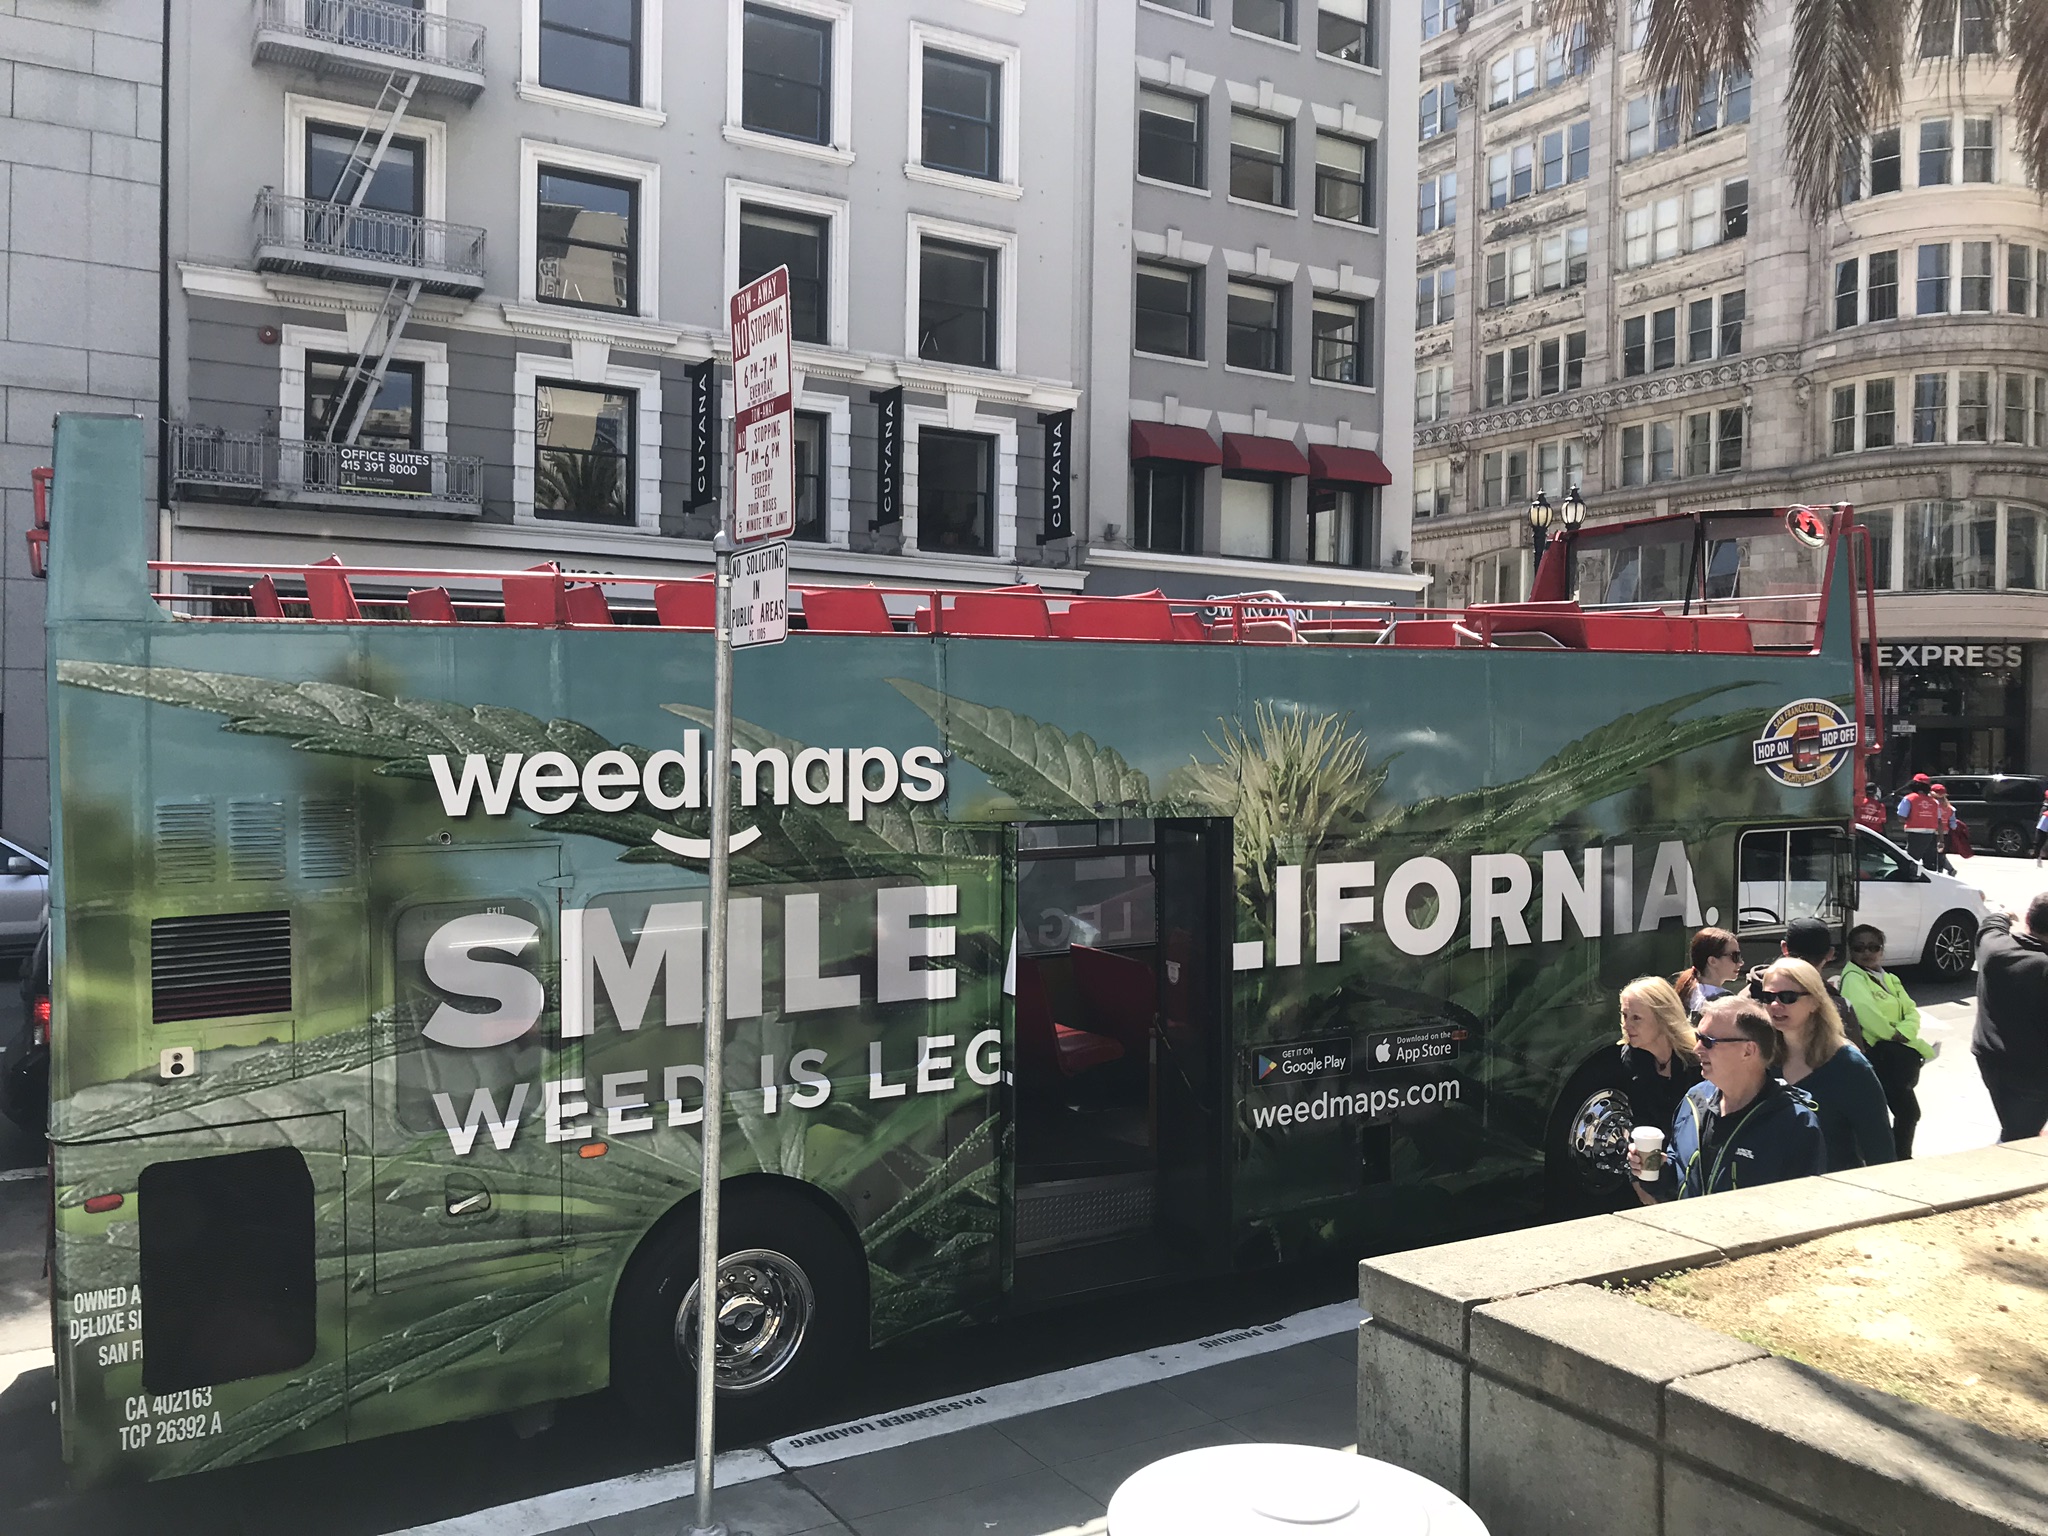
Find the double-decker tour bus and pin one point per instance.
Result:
(1076, 944)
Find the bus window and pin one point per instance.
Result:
(1787, 873)
(1650, 564)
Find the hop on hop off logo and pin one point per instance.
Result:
(1805, 742)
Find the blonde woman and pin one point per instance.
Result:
(1658, 1053)
(1819, 1059)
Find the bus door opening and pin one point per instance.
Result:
(1117, 1019)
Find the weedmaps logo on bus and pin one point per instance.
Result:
(550, 783)
(1804, 743)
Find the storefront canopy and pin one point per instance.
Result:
(1350, 466)
(1190, 445)
(1262, 455)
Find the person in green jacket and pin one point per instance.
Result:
(1891, 1029)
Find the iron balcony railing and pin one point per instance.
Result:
(301, 232)
(401, 31)
(259, 466)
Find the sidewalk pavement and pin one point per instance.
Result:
(1045, 1472)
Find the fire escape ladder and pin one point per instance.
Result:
(361, 169)
(366, 375)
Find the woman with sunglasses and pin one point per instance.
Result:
(1741, 1127)
(1716, 956)
(1657, 1051)
(1891, 1030)
(1819, 1058)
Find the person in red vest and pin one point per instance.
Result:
(1922, 819)
(1870, 811)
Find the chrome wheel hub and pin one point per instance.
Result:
(1953, 950)
(765, 1305)
(1599, 1132)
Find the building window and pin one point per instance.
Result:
(1504, 478)
(1979, 151)
(1510, 275)
(1437, 203)
(1566, 55)
(396, 188)
(1166, 507)
(1344, 30)
(591, 50)
(2024, 534)
(1951, 546)
(1649, 453)
(1257, 327)
(1339, 525)
(1735, 209)
(1440, 16)
(1880, 413)
(1343, 340)
(1734, 310)
(393, 419)
(1842, 419)
(1881, 298)
(1344, 179)
(583, 453)
(2018, 425)
(1949, 29)
(786, 75)
(584, 241)
(1266, 18)
(1506, 376)
(1511, 76)
(1934, 152)
(1439, 109)
(1561, 363)
(1169, 138)
(1722, 102)
(1433, 489)
(1185, 7)
(1931, 296)
(1563, 260)
(1885, 160)
(1251, 517)
(1848, 291)
(1652, 123)
(1169, 302)
(1930, 407)
(1259, 160)
(1728, 439)
(809, 476)
(1559, 466)
(1433, 392)
(956, 304)
(962, 102)
(771, 238)
(1974, 295)
(1436, 297)
(1973, 406)
(2019, 280)
(1497, 577)
(955, 493)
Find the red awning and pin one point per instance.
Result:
(1352, 466)
(1190, 445)
(1262, 455)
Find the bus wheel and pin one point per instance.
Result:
(792, 1309)
(1586, 1150)
(1951, 946)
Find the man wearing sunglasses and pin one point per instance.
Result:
(1740, 1127)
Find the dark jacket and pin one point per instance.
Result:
(1775, 1136)
(1853, 1113)
(1652, 1097)
(2012, 1000)
(1852, 1026)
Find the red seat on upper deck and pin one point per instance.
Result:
(533, 597)
(691, 604)
(328, 594)
(1009, 615)
(263, 599)
(845, 611)
(1115, 618)
(1563, 622)
(584, 603)
(430, 605)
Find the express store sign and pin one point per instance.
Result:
(1976, 656)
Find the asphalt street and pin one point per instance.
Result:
(368, 1489)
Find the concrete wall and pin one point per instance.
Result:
(1502, 1370)
(80, 105)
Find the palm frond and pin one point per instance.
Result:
(1847, 64)
(1598, 17)
(2026, 44)
(1688, 39)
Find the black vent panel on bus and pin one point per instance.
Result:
(221, 966)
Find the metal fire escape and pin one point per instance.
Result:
(366, 375)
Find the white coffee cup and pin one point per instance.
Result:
(1649, 1144)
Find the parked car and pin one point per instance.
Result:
(2000, 809)
(25, 1059)
(24, 894)
(1928, 918)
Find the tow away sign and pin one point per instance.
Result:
(764, 487)
(760, 595)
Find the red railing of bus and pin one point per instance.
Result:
(546, 597)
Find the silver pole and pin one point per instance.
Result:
(714, 1027)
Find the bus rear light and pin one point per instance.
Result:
(592, 1149)
(100, 1204)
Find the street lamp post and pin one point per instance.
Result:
(1572, 513)
(1540, 513)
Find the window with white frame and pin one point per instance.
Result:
(1545, 365)
(587, 450)
(1950, 546)
(1436, 202)
(1264, 18)
(1560, 466)
(810, 433)
(956, 492)
(964, 109)
(1958, 28)
(1261, 159)
(1433, 392)
(1348, 30)
(2026, 279)
(767, 227)
(1433, 488)
(1508, 375)
(1650, 123)
(962, 305)
(320, 138)
(1553, 159)
(1436, 296)
(1440, 16)
(1561, 260)
(1504, 478)
(1649, 452)
(586, 239)
(1342, 524)
(1340, 333)
(1498, 577)
(1510, 274)
(1439, 109)
(1170, 137)
(1931, 280)
(1256, 316)
(1566, 54)
(408, 410)
(1344, 179)
(2024, 409)
(590, 50)
(1638, 24)
(1688, 331)
(1713, 442)
(1723, 102)
(1169, 310)
(1670, 226)
(787, 76)
(1250, 511)
(1511, 76)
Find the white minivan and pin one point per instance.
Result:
(1928, 918)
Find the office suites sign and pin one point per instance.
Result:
(1972, 655)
